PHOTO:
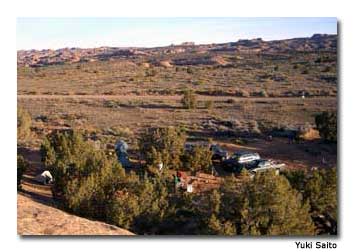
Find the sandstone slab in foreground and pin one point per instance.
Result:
(37, 219)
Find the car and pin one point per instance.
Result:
(240, 160)
(265, 165)
(218, 153)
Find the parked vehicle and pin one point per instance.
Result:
(265, 165)
(240, 160)
(252, 162)
(218, 153)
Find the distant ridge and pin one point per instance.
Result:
(35, 58)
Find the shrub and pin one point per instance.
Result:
(143, 208)
(216, 225)
(263, 93)
(85, 179)
(240, 141)
(92, 185)
(266, 205)
(209, 104)
(327, 69)
(189, 100)
(164, 145)
(190, 70)
(198, 82)
(326, 123)
(296, 178)
(150, 72)
(245, 93)
(111, 104)
(230, 101)
(254, 127)
(22, 166)
(198, 159)
(23, 124)
(319, 188)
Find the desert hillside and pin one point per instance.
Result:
(38, 219)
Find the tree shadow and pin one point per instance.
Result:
(33, 157)
(40, 198)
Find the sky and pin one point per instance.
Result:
(54, 33)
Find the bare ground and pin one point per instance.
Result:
(34, 218)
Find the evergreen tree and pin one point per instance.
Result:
(216, 224)
(24, 122)
(85, 179)
(164, 145)
(189, 99)
(267, 205)
(272, 207)
(22, 166)
(198, 159)
(326, 124)
(321, 191)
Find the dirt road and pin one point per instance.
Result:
(167, 97)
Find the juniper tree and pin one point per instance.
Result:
(85, 179)
(198, 159)
(326, 124)
(189, 99)
(22, 166)
(24, 122)
(320, 190)
(216, 224)
(164, 145)
(272, 207)
(266, 205)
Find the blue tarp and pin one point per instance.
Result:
(121, 149)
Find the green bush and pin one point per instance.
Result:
(263, 93)
(150, 72)
(321, 192)
(231, 101)
(85, 179)
(24, 122)
(209, 104)
(319, 188)
(164, 145)
(189, 99)
(297, 178)
(326, 123)
(198, 159)
(22, 166)
(215, 224)
(190, 70)
(266, 205)
(143, 208)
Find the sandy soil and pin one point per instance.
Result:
(34, 218)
